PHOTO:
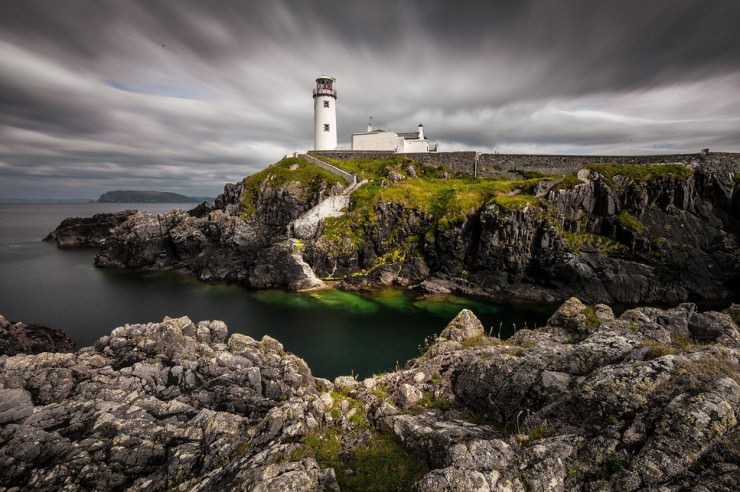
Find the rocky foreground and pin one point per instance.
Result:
(20, 338)
(590, 402)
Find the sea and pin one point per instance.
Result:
(336, 332)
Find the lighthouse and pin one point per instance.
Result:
(325, 114)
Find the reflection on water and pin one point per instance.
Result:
(335, 331)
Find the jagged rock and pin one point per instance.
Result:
(464, 325)
(87, 232)
(20, 338)
(15, 405)
(345, 383)
(571, 316)
(409, 396)
(647, 400)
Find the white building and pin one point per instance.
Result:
(324, 114)
(396, 142)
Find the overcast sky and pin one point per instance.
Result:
(184, 95)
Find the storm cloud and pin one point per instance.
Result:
(186, 95)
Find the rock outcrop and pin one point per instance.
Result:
(610, 234)
(158, 406)
(246, 244)
(646, 400)
(87, 232)
(20, 338)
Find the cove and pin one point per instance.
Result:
(336, 332)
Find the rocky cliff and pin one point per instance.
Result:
(662, 233)
(87, 232)
(648, 400)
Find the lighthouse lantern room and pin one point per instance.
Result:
(325, 114)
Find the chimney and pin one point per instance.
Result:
(421, 132)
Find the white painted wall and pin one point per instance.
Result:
(415, 146)
(324, 140)
(377, 141)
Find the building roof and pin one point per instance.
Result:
(404, 135)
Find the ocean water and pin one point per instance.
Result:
(336, 332)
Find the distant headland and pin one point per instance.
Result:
(135, 196)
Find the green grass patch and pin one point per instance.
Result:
(592, 321)
(290, 170)
(481, 341)
(629, 221)
(445, 203)
(380, 464)
(578, 241)
(517, 202)
(567, 182)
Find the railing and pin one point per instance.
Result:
(324, 92)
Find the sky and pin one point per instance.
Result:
(186, 95)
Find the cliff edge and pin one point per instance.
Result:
(657, 233)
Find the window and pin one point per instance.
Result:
(326, 104)
(326, 127)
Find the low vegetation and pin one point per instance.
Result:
(567, 182)
(580, 242)
(378, 464)
(289, 170)
(629, 221)
(445, 201)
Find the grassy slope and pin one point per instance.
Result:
(289, 170)
(447, 201)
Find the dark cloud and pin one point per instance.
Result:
(188, 94)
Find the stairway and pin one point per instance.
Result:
(307, 225)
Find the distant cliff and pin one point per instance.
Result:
(135, 196)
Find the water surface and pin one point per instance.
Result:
(336, 332)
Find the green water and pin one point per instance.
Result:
(336, 332)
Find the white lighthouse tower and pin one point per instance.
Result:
(324, 114)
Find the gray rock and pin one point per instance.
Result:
(15, 405)
(465, 325)
(648, 400)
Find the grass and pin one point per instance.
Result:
(567, 182)
(481, 341)
(592, 321)
(577, 240)
(290, 170)
(447, 202)
(443, 204)
(629, 221)
(435, 402)
(379, 464)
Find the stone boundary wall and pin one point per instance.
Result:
(351, 155)
(492, 164)
(485, 165)
(460, 162)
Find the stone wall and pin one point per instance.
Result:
(462, 162)
(492, 164)
(475, 164)
(351, 155)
